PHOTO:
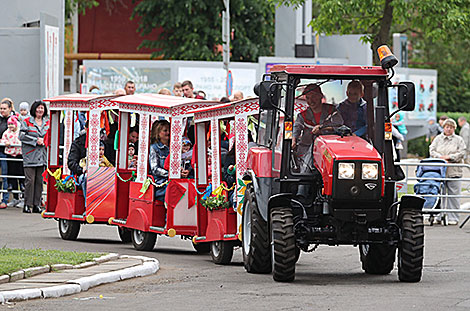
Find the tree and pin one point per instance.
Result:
(192, 29)
(435, 19)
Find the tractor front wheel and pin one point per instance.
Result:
(221, 252)
(255, 241)
(143, 241)
(69, 229)
(411, 248)
(284, 254)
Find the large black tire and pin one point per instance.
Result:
(143, 241)
(283, 244)
(202, 248)
(411, 248)
(69, 229)
(125, 234)
(221, 252)
(377, 259)
(255, 242)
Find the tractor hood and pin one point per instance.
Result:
(344, 148)
(329, 149)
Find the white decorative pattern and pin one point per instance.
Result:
(177, 128)
(94, 139)
(103, 103)
(215, 136)
(142, 163)
(221, 113)
(249, 107)
(69, 105)
(68, 137)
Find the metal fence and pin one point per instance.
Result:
(465, 190)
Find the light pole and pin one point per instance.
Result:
(226, 42)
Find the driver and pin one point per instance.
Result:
(315, 119)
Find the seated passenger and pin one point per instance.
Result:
(354, 109)
(103, 160)
(186, 157)
(159, 151)
(131, 157)
(314, 119)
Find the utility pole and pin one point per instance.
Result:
(226, 42)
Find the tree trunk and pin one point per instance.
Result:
(383, 35)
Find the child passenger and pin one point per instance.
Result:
(131, 156)
(10, 139)
(186, 157)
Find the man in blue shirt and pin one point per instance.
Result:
(354, 109)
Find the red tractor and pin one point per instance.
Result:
(349, 178)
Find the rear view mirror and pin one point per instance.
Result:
(406, 96)
(268, 94)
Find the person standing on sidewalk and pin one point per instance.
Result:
(450, 147)
(32, 133)
(6, 110)
(465, 134)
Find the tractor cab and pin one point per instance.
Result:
(324, 173)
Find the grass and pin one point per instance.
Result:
(12, 260)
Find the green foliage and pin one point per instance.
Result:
(68, 186)
(215, 203)
(12, 260)
(80, 6)
(192, 30)
(419, 147)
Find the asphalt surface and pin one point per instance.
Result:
(328, 279)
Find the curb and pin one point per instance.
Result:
(149, 266)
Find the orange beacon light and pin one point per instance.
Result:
(387, 59)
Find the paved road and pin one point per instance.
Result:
(328, 279)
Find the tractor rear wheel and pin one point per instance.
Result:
(284, 254)
(377, 259)
(143, 241)
(125, 234)
(411, 248)
(221, 252)
(255, 242)
(69, 229)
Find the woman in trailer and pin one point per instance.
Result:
(32, 133)
(159, 151)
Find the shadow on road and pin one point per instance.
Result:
(315, 278)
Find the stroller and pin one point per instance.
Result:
(431, 186)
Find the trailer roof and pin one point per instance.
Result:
(73, 98)
(326, 70)
(158, 100)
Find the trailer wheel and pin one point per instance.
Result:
(202, 248)
(69, 229)
(221, 252)
(143, 241)
(255, 243)
(411, 248)
(377, 259)
(125, 234)
(283, 244)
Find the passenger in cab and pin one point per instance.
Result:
(131, 157)
(159, 151)
(354, 109)
(312, 121)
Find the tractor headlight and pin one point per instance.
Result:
(370, 171)
(346, 170)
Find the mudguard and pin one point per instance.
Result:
(262, 189)
(138, 220)
(410, 203)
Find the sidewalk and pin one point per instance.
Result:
(69, 280)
